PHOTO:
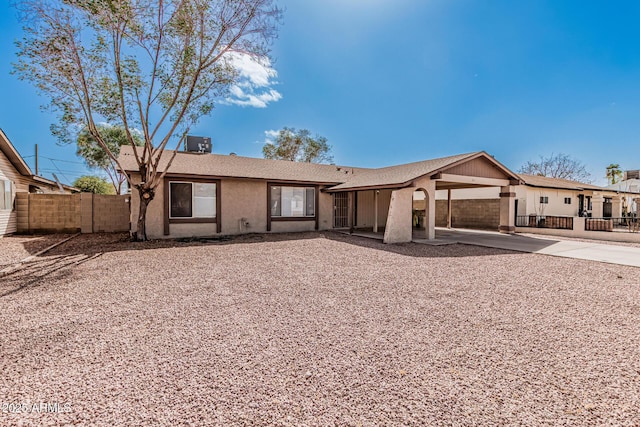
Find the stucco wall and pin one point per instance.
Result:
(239, 199)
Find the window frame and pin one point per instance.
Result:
(188, 179)
(567, 201)
(544, 200)
(305, 185)
(3, 195)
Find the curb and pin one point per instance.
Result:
(15, 267)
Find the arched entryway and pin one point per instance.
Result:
(420, 212)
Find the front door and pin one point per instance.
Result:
(340, 210)
(607, 208)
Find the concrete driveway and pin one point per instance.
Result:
(613, 254)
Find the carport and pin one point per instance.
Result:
(473, 170)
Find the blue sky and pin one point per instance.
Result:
(393, 81)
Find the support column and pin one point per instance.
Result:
(430, 210)
(597, 206)
(616, 207)
(449, 208)
(399, 226)
(375, 210)
(507, 209)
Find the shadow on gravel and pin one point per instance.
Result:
(40, 272)
(91, 244)
(417, 250)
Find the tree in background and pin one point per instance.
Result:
(96, 157)
(298, 146)
(614, 173)
(558, 166)
(154, 65)
(94, 184)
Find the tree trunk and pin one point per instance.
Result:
(146, 196)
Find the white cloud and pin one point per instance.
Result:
(269, 136)
(256, 78)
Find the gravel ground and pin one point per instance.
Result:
(16, 248)
(318, 329)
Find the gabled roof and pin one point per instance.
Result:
(340, 178)
(21, 166)
(559, 183)
(403, 175)
(14, 157)
(243, 167)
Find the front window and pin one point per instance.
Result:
(6, 196)
(192, 200)
(293, 201)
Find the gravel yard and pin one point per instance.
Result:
(317, 329)
(16, 248)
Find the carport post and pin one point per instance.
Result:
(449, 208)
(375, 210)
(507, 209)
(350, 204)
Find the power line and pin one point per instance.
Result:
(61, 173)
(60, 160)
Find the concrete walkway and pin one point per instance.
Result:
(548, 245)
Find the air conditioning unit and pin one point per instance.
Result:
(198, 144)
(632, 174)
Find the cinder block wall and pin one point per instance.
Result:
(22, 212)
(50, 213)
(110, 213)
(471, 213)
(71, 213)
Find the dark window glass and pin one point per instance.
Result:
(276, 204)
(311, 202)
(180, 197)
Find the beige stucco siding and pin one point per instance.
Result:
(556, 205)
(243, 209)
(243, 199)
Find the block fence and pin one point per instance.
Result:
(472, 213)
(71, 213)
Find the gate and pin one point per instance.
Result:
(340, 210)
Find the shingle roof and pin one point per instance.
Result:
(340, 177)
(399, 175)
(12, 154)
(565, 184)
(243, 167)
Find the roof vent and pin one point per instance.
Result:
(232, 154)
(198, 144)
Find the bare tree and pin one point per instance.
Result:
(558, 166)
(155, 65)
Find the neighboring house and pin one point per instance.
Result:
(629, 187)
(15, 176)
(545, 196)
(205, 194)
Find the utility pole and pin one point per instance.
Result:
(37, 160)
